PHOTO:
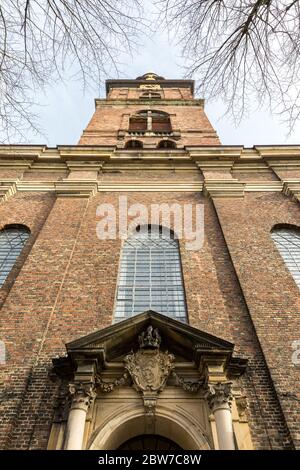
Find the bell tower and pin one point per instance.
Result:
(149, 112)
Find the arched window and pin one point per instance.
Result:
(160, 122)
(150, 275)
(138, 122)
(287, 241)
(151, 121)
(134, 144)
(166, 144)
(12, 241)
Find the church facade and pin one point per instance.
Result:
(123, 331)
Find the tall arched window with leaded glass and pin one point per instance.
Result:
(150, 275)
(287, 241)
(12, 241)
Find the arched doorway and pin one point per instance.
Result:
(149, 442)
(179, 428)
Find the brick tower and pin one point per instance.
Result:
(113, 342)
(149, 111)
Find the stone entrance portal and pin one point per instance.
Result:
(179, 427)
(150, 376)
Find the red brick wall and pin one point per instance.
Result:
(26, 316)
(31, 210)
(66, 289)
(271, 294)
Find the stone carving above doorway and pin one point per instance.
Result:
(149, 367)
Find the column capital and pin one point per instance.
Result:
(82, 395)
(219, 395)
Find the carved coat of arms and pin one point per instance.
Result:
(149, 367)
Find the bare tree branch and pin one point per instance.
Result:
(246, 52)
(40, 39)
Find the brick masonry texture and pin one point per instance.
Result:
(270, 292)
(63, 285)
(66, 289)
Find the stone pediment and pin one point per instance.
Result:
(114, 342)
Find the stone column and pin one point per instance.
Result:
(82, 397)
(219, 399)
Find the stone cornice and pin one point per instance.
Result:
(264, 186)
(67, 188)
(146, 102)
(164, 83)
(278, 151)
(284, 164)
(235, 188)
(224, 188)
(291, 188)
(21, 164)
(35, 186)
(73, 188)
(80, 167)
(236, 153)
(28, 154)
(152, 186)
(151, 157)
(219, 152)
(140, 164)
(89, 187)
(257, 167)
(7, 189)
(215, 165)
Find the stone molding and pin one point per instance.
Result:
(79, 158)
(87, 188)
(7, 189)
(217, 163)
(291, 188)
(224, 188)
(26, 156)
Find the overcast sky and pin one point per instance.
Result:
(66, 110)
